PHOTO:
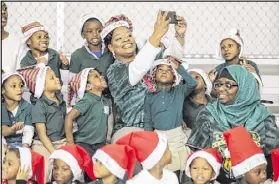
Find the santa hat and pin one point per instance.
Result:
(149, 78)
(205, 77)
(259, 80)
(211, 155)
(7, 75)
(234, 35)
(77, 158)
(30, 29)
(115, 22)
(244, 153)
(117, 159)
(35, 161)
(149, 146)
(35, 77)
(275, 164)
(77, 84)
(85, 17)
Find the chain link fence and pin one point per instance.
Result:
(207, 22)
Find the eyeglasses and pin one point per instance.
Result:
(228, 85)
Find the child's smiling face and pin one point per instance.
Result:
(10, 166)
(13, 88)
(230, 49)
(62, 172)
(96, 80)
(201, 171)
(39, 41)
(92, 32)
(52, 82)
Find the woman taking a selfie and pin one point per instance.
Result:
(125, 75)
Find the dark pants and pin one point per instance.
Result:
(91, 149)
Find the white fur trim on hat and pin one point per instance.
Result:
(164, 62)
(40, 82)
(30, 32)
(83, 81)
(69, 159)
(205, 77)
(157, 153)
(110, 163)
(232, 35)
(85, 17)
(248, 164)
(26, 159)
(6, 75)
(207, 156)
(112, 26)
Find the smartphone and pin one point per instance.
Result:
(172, 15)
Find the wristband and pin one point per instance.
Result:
(179, 35)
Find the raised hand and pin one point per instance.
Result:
(161, 27)
(23, 173)
(63, 58)
(181, 26)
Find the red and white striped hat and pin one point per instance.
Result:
(77, 158)
(115, 22)
(30, 29)
(211, 155)
(117, 159)
(35, 161)
(35, 77)
(149, 146)
(275, 164)
(244, 152)
(77, 85)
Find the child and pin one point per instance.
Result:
(49, 113)
(163, 107)
(36, 39)
(91, 112)
(11, 45)
(275, 164)
(230, 48)
(4, 148)
(21, 165)
(92, 54)
(153, 153)
(198, 99)
(69, 162)
(16, 112)
(111, 163)
(203, 166)
(248, 163)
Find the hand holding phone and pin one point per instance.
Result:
(172, 15)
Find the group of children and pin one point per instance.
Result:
(160, 100)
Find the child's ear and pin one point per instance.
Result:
(82, 35)
(213, 174)
(88, 87)
(111, 49)
(28, 42)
